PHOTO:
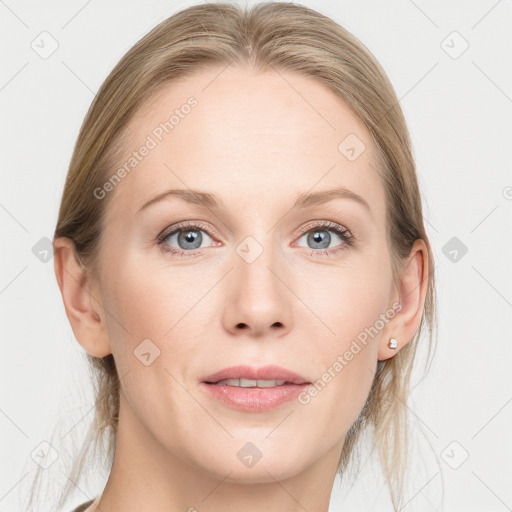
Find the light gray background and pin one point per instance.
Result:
(458, 111)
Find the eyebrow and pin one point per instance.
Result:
(317, 198)
(214, 202)
(188, 195)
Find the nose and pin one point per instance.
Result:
(258, 299)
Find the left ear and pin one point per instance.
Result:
(412, 292)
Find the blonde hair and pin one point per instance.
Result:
(273, 35)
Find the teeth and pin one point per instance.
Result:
(250, 383)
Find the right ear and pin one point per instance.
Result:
(82, 301)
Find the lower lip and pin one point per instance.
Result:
(254, 399)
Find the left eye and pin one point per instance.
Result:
(320, 238)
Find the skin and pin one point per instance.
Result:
(257, 143)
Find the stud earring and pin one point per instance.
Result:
(393, 343)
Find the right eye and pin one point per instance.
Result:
(187, 236)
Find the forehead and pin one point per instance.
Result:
(239, 133)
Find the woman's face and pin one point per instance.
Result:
(262, 276)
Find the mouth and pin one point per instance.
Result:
(250, 383)
(254, 389)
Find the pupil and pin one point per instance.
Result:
(320, 237)
(190, 237)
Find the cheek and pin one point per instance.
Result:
(150, 302)
(344, 301)
(350, 304)
(153, 339)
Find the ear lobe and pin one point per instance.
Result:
(412, 292)
(81, 300)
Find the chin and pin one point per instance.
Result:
(267, 469)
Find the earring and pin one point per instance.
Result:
(393, 343)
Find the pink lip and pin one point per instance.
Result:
(269, 372)
(255, 399)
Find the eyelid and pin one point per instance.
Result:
(322, 224)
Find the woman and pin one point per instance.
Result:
(241, 252)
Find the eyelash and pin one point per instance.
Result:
(343, 233)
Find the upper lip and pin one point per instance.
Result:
(269, 372)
